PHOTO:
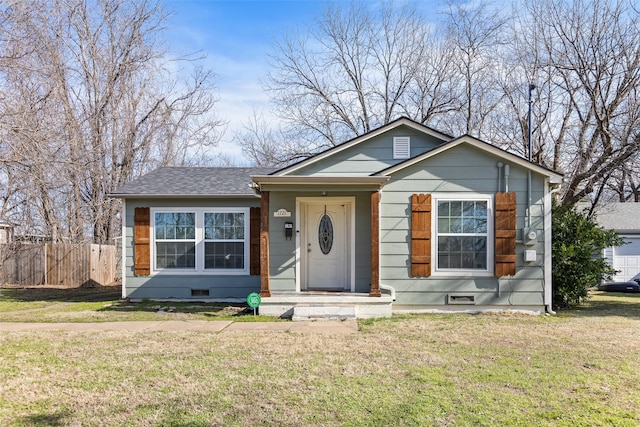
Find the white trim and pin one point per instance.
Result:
(351, 237)
(182, 196)
(199, 242)
(462, 272)
(330, 152)
(548, 267)
(555, 178)
(374, 181)
(123, 245)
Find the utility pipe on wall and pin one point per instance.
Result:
(506, 178)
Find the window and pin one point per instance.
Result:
(211, 240)
(175, 234)
(462, 234)
(224, 240)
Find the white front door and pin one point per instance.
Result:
(324, 246)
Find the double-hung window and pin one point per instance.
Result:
(175, 236)
(201, 240)
(224, 245)
(463, 234)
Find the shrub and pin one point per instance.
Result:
(577, 247)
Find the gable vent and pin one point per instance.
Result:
(401, 147)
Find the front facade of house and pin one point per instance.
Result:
(441, 223)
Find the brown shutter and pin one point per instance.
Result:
(141, 242)
(254, 241)
(505, 234)
(421, 235)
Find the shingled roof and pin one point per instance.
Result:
(620, 217)
(192, 182)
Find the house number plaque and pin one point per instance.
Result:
(282, 213)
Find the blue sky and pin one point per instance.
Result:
(237, 37)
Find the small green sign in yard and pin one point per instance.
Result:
(253, 300)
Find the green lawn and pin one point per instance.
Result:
(579, 368)
(104, 305)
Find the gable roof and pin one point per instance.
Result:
(620, 217)
(359, 139)
(192, 182)
(556, 177)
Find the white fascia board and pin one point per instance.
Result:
(183, 196)
(554, 177)
(320, 180)
(330, 152)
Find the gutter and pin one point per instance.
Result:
(180, 196)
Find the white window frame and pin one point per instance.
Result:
(200, 242)
(462, 272)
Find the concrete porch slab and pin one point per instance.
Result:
(328, 305)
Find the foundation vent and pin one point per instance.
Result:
(462, 299)
(199, 292)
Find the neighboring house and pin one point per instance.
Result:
(440, 223)
(624, 219)
(6, 232)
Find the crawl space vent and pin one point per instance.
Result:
(199, 292)
(462, 299)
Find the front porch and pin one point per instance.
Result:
(318, 305)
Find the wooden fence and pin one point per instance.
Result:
(60, 265)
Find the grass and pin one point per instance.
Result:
(47, 304)
(579, 368)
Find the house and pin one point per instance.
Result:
(403, 219)
(624, 219)
(6, 232)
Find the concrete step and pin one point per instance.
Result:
(311, 312)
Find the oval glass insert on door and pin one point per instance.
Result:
(325, 234)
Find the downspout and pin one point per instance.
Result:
(548, 255)
(389, 289)
(506, 178)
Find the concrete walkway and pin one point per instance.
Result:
(217, 326)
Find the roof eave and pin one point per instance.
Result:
(357, 140)
(319, 180)
(182, 196)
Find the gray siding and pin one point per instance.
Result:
(460, 170)
(372, 155)
(282, 251)
(180, 285)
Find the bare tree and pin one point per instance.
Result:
(91, 103)
(477, 34)
(591, 52)
(350, 74)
